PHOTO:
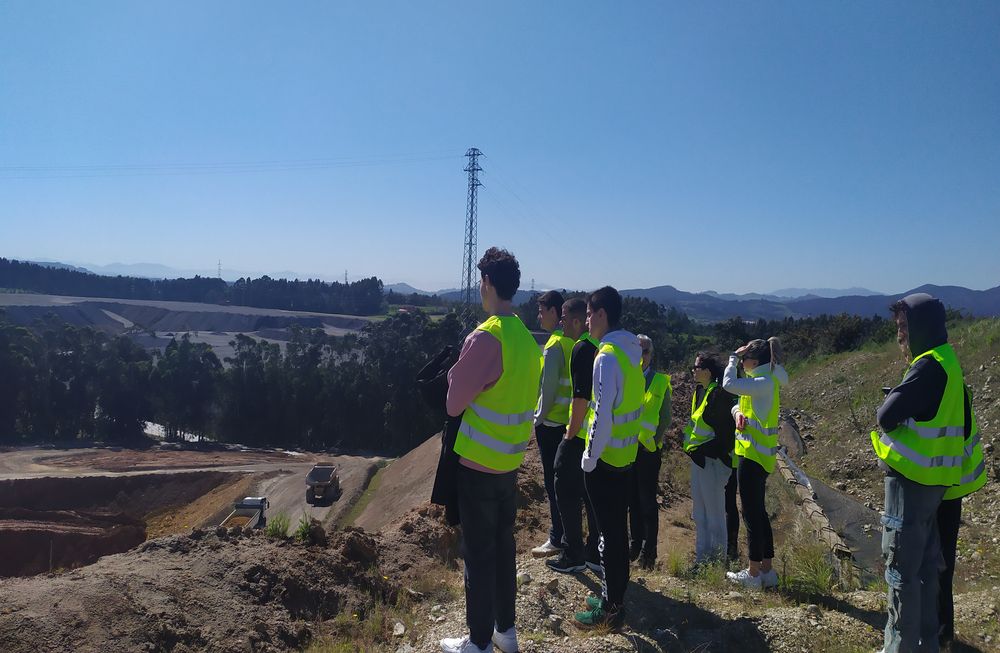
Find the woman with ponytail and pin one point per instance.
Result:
(756, 447)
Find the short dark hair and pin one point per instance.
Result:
(608, 299)
(576, 307)
(551, 299)
(710, 361)
(502, 269)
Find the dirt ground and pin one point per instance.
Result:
(86, 503)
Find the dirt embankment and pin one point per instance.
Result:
(213, 591)
(58, 523)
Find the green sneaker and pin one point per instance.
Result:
(599, 618)
(594, 602)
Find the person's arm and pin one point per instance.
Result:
(478, 367)
(551, 372)
(608, 381)
(755, 386)
(917, 397)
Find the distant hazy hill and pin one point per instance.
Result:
(824, 292)
(712, 307)
(405, 289)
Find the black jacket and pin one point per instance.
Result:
(718, 414)
(432, 380)
(920, 393)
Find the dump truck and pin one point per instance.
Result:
(247, 513)
(323, 483)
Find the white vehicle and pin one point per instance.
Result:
(247, 513)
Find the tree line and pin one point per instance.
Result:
(362, 297)
(357, 392)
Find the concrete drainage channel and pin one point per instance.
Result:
(846, 526)
(51, 524)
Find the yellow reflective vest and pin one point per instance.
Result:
(931, 452)
(559, 413)
(759, 440)
(497, 424)
(973, 463)
(625, 420)
(698, 432)
(659, 390)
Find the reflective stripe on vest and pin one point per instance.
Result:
(497, 425)
(698, 432)
(621, 449)
(585, 424)
(559, 412)
(652, 402)
(759, 440)
(973, 462)
(930, 452)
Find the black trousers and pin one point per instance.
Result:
(732, 518)
(570, 493)
(949, 517)
(643, 511)
(752, 480)
(608, 492)
(548, 438)
(487, 504)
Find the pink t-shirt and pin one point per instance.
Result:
(478, 368)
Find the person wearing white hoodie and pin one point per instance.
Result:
(756, 417)
(613, 424)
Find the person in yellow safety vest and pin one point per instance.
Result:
(569, 485)
(552, 413)
(949, 517)
(494, 388)
(756, 446)
(614, 421)
(920, 446)
(643, 510)
(708, 441)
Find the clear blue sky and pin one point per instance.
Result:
(727, 146)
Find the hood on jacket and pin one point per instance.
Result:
(925, 321)
(628, 342)
(778, 373)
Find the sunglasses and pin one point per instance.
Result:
(698, 367)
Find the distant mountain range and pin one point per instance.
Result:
(713, 307)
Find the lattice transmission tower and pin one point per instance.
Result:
(470, 255)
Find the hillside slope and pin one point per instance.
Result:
(834, 400)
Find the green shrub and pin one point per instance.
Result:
(303, 529)
(277, 526)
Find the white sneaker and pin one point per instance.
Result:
(743, 577)
(463, 645)
(505, 642)
(546, 550)
(769, 578)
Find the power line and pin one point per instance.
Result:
(215, 168)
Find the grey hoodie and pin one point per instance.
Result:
(609, 387)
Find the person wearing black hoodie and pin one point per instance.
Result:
(913, 413)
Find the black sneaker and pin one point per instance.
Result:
(634, 550)
(564, 565)
(596, 567)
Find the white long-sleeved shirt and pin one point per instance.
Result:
(757, 384)
(609, 391)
